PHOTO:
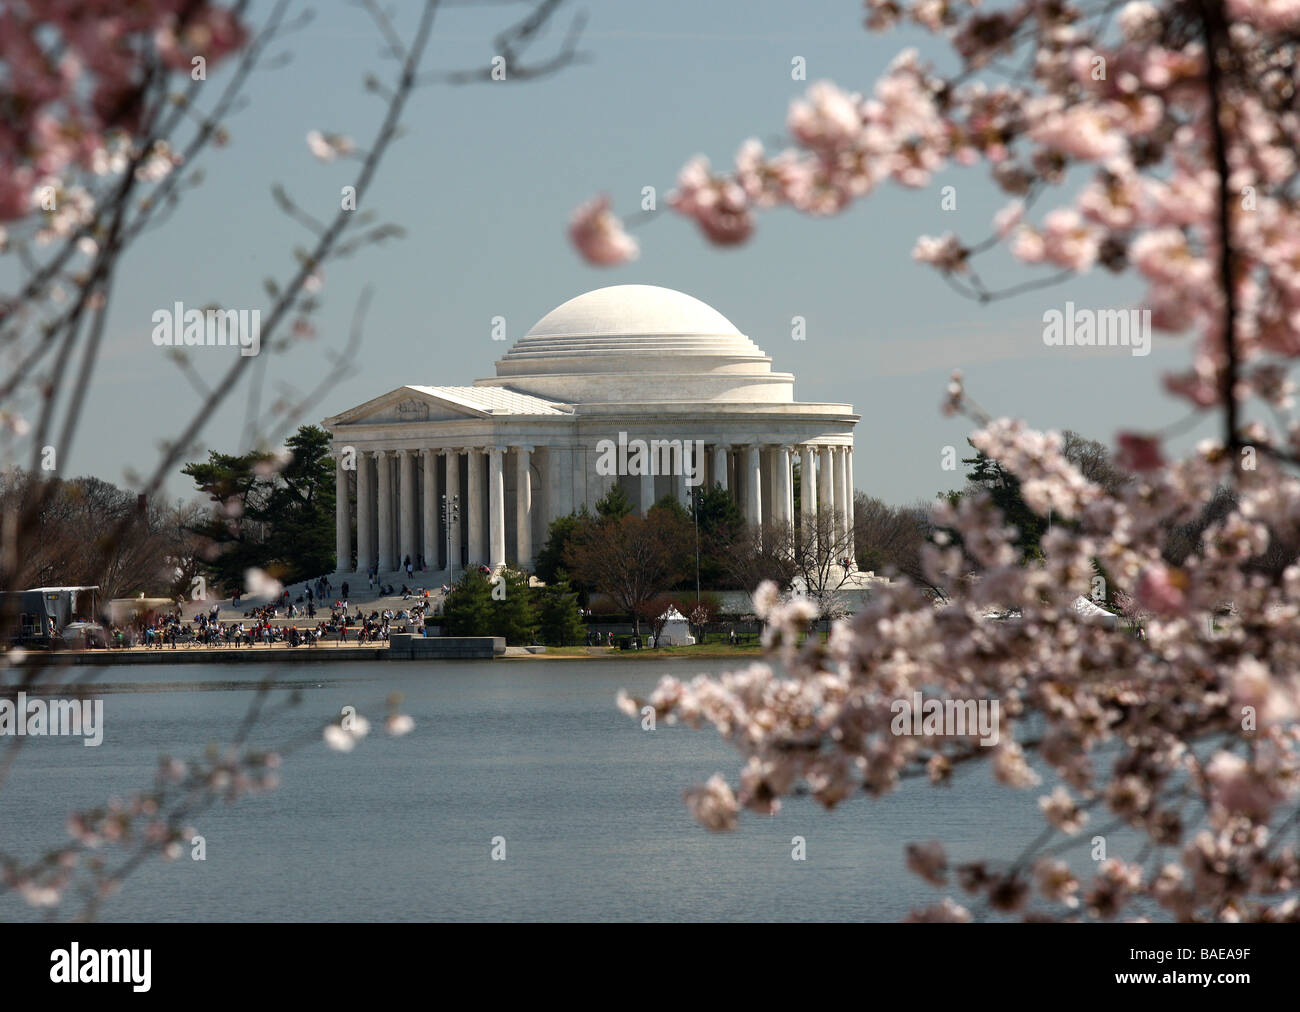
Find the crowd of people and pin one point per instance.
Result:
(261, 624)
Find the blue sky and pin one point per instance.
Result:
(485, 179)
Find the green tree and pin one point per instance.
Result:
(562, 530)
(513, 608)
(276, 516)
(671, 506)
(1004, 489)
(501, 605)
(468, 608)
(614, 504)
(721, 531)
(1089, 456)
(561, 624)
(238, 490)
(300, 508)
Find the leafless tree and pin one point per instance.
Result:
(632, 559)
(762, 552)
(888, 539)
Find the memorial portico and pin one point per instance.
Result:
(515, 451)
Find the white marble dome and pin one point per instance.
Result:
(639, 333)
(632, 311)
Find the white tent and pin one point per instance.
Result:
(1093, 615)
(676, 631)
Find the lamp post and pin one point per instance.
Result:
(450, 515)
(697, 497)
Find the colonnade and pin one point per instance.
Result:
(395, 521)
(401, 512)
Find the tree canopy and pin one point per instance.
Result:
(273, 512)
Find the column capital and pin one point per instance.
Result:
(523, 447)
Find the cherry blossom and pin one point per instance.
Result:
(599, 235)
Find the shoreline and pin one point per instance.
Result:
(283, 654)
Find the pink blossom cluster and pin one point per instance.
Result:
(1180, 720)
(75, 82)
(1182, 723)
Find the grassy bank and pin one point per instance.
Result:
(707, 652)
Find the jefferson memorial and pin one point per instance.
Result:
(470, 475)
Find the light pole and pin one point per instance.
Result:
(450, 515)
(697, 500)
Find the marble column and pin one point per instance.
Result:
(384, 461)
(342, 519)
(550, 469)
(808, 481)
(454, 522)
(473, 507)
(647, 480)
(496, 508)
(395, 473)
(408, 544)
(781, 490)
(365, 513)
(523, 507)
(848, 500)
(720, 464)
(826, 484)
(753, 485)
(431, 503)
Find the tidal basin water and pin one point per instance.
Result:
(590, 805)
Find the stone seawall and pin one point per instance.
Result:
(406, 646)
(401, 647)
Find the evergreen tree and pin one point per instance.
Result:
(561, 623)
(672, 506)
(513, 608)
(300, 508)
(562, 530)
(722, 528)
(276, 518)
(614, 504)
(1004, 490)
(468, 609)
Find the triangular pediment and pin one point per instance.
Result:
(407, 404)
(447, 404)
